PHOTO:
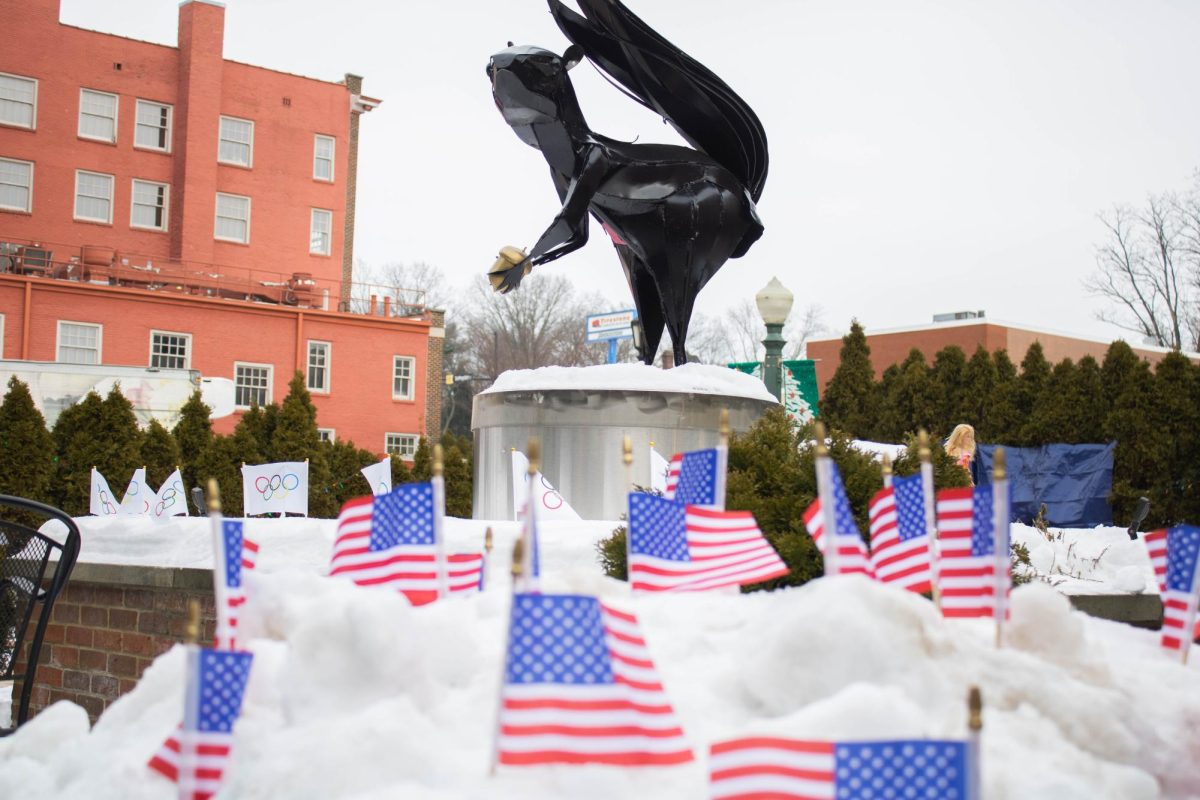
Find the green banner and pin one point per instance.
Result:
(799, 387)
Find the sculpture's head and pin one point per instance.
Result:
(531, 87)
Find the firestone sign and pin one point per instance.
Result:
(610, 326)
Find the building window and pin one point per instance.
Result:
(402, 377)
(16, 185)
(323, 147)
(326, 434)
(233, 218)
(251, 384)
(401, 444)
(79, 342)
(18, 101)
(153, 127)
(93, 196)
(149, 205)
(97, 115)
(170, 350)
(237, 142)
(320, 232)
(318, 366)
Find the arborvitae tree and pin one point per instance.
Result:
(1142, 441)
(911, 401)
(248, 442)
(1048, 420)
(422, 462)
(401, 472)
(345, 464)
(295, 438)
(1092, 406)
(882, 430)
(851, 401)
(1035, 372)
(1002, 417)
(159, 454)
(119, 428)
(1119, 363)
(221, 461)
(457, 468)
(77, 450)
(192, 432)
(979, 380)
(27, 464)
(1175, 397)
(950, 389)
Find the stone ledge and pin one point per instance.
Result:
(143, 576)
(1141, 610)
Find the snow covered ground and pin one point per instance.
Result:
(1100, 560)
(354, 694)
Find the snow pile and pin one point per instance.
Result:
(685, 379)
(878, 449)
(1101, 560)
(355, 694)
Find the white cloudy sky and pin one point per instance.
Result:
(926, 155)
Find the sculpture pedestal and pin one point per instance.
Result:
(581, 414)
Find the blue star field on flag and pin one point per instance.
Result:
(697, 478)
(658, 527)
(557, 639)
(222, 676)
(231, 531)
(910, 507)
(901, 769)
(1183, 547)
(842, 512)
(403, 517)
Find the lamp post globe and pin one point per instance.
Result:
(774, 303)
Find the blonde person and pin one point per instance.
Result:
(961, 445)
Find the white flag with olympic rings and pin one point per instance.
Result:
(275, 488)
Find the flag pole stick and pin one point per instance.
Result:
(533, 451)
(187, 740)
(825, 494)
(722, 459)
(487, 557)
(627, 458)
(650, 465)
(220, 590)
(438, 482)
(518, 559)
(886, 468)
(926, 456)
(1000, 525)
(974, 743)
(1189, 628)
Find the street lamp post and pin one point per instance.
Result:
(774, 303)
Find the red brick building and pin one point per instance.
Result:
(163, 206)
(892, 346)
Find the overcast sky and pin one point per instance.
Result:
(926, 155)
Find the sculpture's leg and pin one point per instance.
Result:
(647, 302)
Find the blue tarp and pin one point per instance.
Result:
(1073, 480)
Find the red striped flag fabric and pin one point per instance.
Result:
(235, 555)
(580, 687)
(465, 572)
(677, 548)
(899, 537)
(967, 559)
(776, 768)
(851, 552)
(1175, 556)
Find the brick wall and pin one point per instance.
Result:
(434, 380)
(102, 634)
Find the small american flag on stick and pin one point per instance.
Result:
(235, 555)
(851, 555)
(1175, 556)
(899, 537)
(971, 584)
(697, 478)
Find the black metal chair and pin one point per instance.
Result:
(33, 571)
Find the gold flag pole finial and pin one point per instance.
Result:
(819, 433)
(887, 464)
(626, 451)
(487, 541)
(438, 462)
(214, 496)
(999, 465)
(191, 633)
(518, 561)
(975, 709)
(724, 427)
(533, 452)
(923, 451)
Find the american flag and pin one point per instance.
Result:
(1175, 554)
(899, 537)
(580, 688)
(967, 561)
(771, 767)
(851, 552)
(196, 757)
(465, 572)
(391, 540)
(697, 478)
(235, 555)
(677, 548)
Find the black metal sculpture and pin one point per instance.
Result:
(674, 214)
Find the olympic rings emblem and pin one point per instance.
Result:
(170, 496)
(106, 503)
(277, 485)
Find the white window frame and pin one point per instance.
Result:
(217, 217)
(399, 446)
(187, 348)
(137, 124)
(412, 377)
(112, 181)
(312, 232)
(249, 163)
(28, 209)
(32, 126)
(328, 367)
(332, 157)
(327, 434)
(270, 368)
(58, 343)
(166, 205)
(115, 117)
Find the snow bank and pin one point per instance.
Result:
(878, 449)
(685, 379)
(355, 694)
(1101, 560)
